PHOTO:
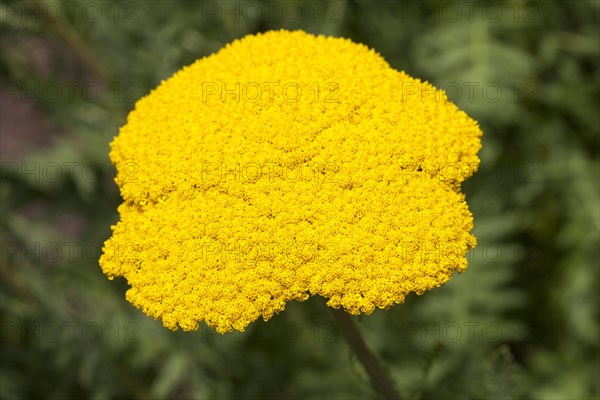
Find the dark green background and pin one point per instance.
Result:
(522, 322)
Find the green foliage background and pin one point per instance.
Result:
(522, 322)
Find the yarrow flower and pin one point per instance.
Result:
(288, 165)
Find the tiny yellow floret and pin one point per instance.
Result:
(283, 166)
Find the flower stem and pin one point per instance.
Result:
(380, 380)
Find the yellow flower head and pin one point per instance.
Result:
(283, 166)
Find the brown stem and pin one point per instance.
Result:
(380, 380)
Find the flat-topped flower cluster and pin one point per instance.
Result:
(187, 238)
